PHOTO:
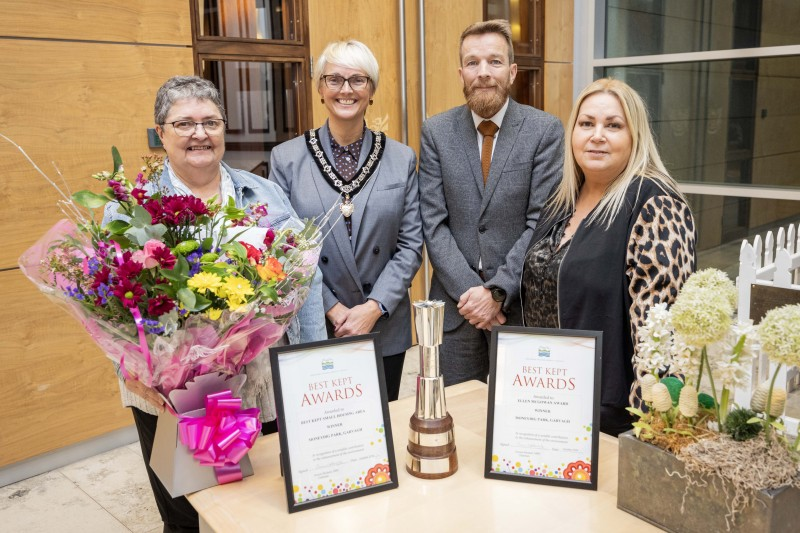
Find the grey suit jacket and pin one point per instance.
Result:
(465, 222)
(386, 248)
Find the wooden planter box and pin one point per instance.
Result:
(647, 491)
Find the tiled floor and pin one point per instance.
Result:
(107, 493)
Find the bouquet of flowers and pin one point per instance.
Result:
(697, 344)
(173, 287)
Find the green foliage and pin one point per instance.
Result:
(706, 400)
(738, 425)
(117, 159)
(90, 200)
(674, 385)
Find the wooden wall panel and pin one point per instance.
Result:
(558, 30)
(56, 388)
(558, 57)
(558, 90)
(444, 22)
(139, 21)
(67, 99)
(71, 113)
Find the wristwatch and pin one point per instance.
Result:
(498, 294)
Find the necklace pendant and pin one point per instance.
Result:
(347, 207)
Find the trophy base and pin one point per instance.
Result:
(431, 451)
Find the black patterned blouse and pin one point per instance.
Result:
(540, 278)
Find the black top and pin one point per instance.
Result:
(646, 253)
(540, 278)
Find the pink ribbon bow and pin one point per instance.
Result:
(222, 436)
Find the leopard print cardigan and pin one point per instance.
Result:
(660, 258)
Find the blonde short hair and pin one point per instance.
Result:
(643, 162)
(351, 54)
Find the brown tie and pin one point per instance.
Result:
(487, 128)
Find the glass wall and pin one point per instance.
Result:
(721, 80)
(261, 103)
(249, 19)
(256, 52)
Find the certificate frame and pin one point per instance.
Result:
(356, 347)
(573, 473)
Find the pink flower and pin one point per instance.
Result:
(129, 293)
(178, 210)
(140, 195)
(120, 193)
(130, 268)
(155, 253)
(269, 238)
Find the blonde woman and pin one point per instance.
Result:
(617, 237)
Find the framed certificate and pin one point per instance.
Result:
(544, 415)
(333, 415)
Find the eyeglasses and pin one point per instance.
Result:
(186, 128)
(336, 82)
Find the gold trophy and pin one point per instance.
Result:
(431, 451)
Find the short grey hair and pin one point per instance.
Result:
(181, 88)
(351, 54)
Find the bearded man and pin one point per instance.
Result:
(486, 169)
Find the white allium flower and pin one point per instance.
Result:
(701, 316)
(713, 281)
(780, 334)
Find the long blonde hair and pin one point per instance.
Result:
(643, 162)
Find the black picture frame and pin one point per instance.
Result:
(285, 434)
(541, 334)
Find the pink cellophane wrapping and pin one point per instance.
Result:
(200, 346)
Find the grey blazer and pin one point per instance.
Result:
(386, 248)
(465, 223)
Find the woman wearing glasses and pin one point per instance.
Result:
(375, 243)
(190, 121)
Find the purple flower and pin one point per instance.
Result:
(152, 326)
(75, 292)
(94, 265)
(194, 262)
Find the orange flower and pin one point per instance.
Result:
(378, 475)
(272, 271)
(578, 471)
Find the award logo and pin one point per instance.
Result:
(544, 351)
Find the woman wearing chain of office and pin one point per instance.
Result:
(375, 243)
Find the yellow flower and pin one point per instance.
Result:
(236, 289)
(213, 313)
(205, 281)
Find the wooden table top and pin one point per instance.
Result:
(463, 502)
